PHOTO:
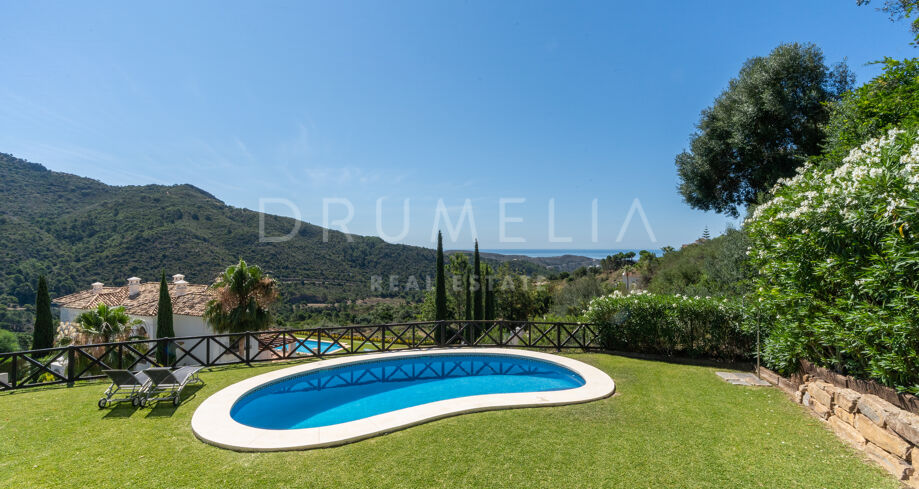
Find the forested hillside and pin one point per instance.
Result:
(78, 230)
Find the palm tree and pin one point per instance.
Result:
(244, 296)
(109, 323)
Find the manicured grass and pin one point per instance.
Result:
(667, 426)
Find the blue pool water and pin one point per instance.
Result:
(360, 390)
(327, 347)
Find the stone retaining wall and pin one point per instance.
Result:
(884, 432)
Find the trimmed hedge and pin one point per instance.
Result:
(673, 325)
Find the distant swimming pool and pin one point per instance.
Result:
(310, 347)
(361, 390)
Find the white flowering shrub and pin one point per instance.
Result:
(838, 264)
(671, 325)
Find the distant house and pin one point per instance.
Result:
(140, 301)
(629, 278)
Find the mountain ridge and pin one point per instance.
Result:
(78, 230)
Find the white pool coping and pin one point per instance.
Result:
(212, 422)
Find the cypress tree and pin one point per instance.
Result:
(468, 302)
(489, 294)
(478, 300)
(468, 333)
(440, 290)
(43, 332)
(164, 322)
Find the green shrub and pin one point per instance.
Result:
(8, 341)
(716, 267)
(888, 101)
(671, 325)
(838, 264)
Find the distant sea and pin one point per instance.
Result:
(596, 254)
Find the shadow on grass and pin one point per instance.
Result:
(165, 408)
(121, 410)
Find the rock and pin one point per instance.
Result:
(819, 393)
(828, 387)
(914, 480)
(881, 437)
(900, 469)
(846, 416)
(787, 386)
(847, 432)
(876, 409)
(821, 409)
(906, 425)
(847, 399)
(806, 399)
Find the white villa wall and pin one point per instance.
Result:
(70, 315)
(181, 325)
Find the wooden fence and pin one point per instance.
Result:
(69, 364)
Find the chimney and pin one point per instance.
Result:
(181, 285)
(133, 286)
(97, 286)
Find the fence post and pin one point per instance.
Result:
(319, 342)
(246, 356)
(383, 337)
(441, 333)
(558, 337)
(71, 365)
(14, 372)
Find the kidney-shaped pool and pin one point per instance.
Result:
(346, 399)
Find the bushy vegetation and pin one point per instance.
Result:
(838, 264)
(716, 267)
(671, 325)
(891, 100)
(569, 298)
(8, 341)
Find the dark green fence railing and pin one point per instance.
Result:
(69, 364)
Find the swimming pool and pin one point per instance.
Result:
(310, 347)
(360, 390)
(345, 399)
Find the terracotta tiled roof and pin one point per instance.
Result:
(191, 303)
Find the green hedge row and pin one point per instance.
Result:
(672, 325)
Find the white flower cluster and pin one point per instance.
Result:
(869, 176)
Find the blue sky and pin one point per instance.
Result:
(571, 101)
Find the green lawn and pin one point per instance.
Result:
(667, 426)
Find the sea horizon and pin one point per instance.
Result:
(597, 254)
